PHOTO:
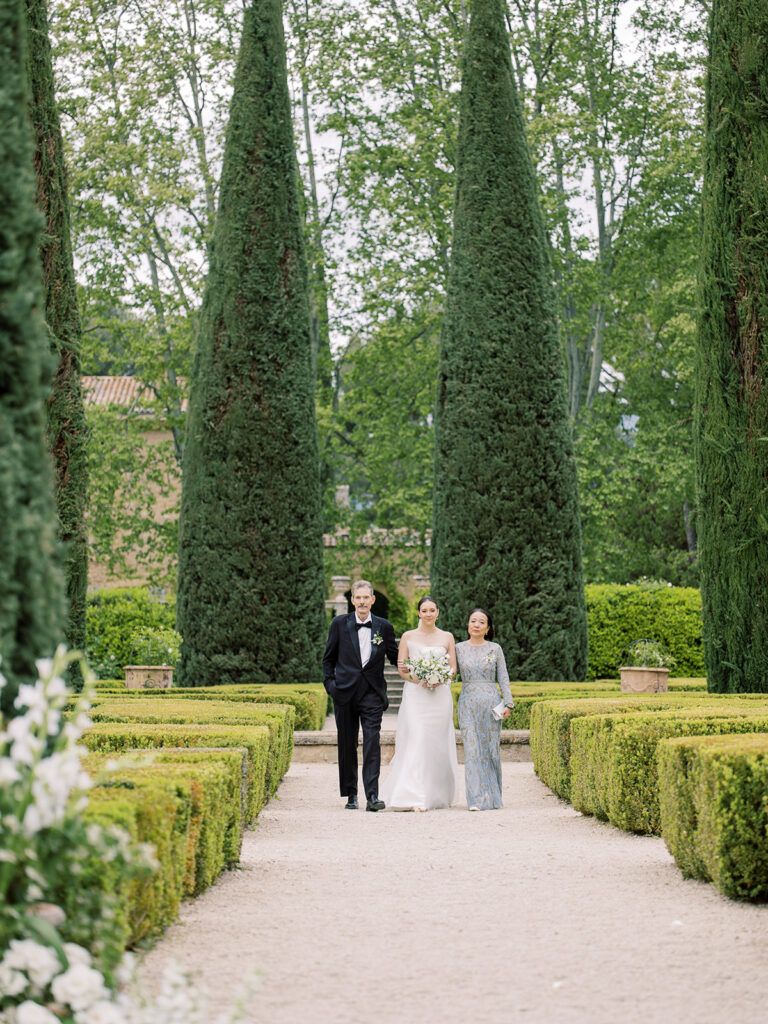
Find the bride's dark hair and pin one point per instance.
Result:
(423, 600)
(489, 631)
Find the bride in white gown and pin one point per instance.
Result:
(424, 772)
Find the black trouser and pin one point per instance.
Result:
(366, 708)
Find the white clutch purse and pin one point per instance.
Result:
(498, 711)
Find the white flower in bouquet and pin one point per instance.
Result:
(432, 669)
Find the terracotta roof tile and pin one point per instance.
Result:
(125, 392)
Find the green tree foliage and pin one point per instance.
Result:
(251, 588)
(66, 416)
(612, 107)
(506, 520)
(32, 606)
(732, 353)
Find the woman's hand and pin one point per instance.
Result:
(506, 712)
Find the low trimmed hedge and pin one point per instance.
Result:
(216, 820)
(111, 737)
(614, 768)
(713, 795)
(159, 813)
(526, 694)
(278, 718)
(309, 700)
(551, 729)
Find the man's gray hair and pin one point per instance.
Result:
(360, 585)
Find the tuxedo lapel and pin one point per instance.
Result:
(353, 637)
(374, 630)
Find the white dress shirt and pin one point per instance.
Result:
(364, 637)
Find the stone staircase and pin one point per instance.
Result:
(394, 687)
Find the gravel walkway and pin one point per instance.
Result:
(533, 913)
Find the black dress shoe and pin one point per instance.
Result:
(351, 804)
(374, 804)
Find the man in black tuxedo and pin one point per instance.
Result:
(353, 674)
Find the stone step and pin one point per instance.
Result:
(321, 746)
(395, 684)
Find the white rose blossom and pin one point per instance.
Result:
(102, 1012)
(79, 986)
(32, 1013)
(39, 963)
(76, 954)
(12, 982)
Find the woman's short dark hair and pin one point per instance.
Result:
(489, 631)
(423, 600)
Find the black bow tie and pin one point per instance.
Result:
(363, 625)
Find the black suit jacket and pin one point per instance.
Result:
(342, 668)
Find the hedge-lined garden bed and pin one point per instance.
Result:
(309, 700)
(713, 793)
(190, 776)
(525, 695)
(277, 718)
(603, 754)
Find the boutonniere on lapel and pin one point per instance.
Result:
(376, 639)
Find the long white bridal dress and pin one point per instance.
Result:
(424, 772)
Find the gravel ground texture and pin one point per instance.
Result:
(533, 913)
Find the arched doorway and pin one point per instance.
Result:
(380, 607)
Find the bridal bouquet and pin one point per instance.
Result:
(432, 670)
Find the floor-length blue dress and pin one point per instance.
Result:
(483, 670)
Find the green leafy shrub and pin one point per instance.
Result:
(278, 718)
(551, 729)
(158, 813)
(112, 619)
(213, 782)
(255, 739)
(155, 646)
(647, 654)
(309, 700)
(613, 762)
(714, 813)
(619, 615)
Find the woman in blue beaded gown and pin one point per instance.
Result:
(483, 670)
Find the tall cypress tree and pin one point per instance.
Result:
(66, 414)
(32, 606)
(251, 587)
(507, 534)
(731, 423)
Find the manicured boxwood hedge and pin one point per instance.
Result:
(713, 795)
(309, 700)
(614, 772)
(278, 718)
(526, 694)
(157, 812)
(255, 739)
(617, 615)
(551, 729)
(216, 819)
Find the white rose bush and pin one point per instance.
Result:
(46, 844)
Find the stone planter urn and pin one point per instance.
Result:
(148, 677)
(640, 679)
